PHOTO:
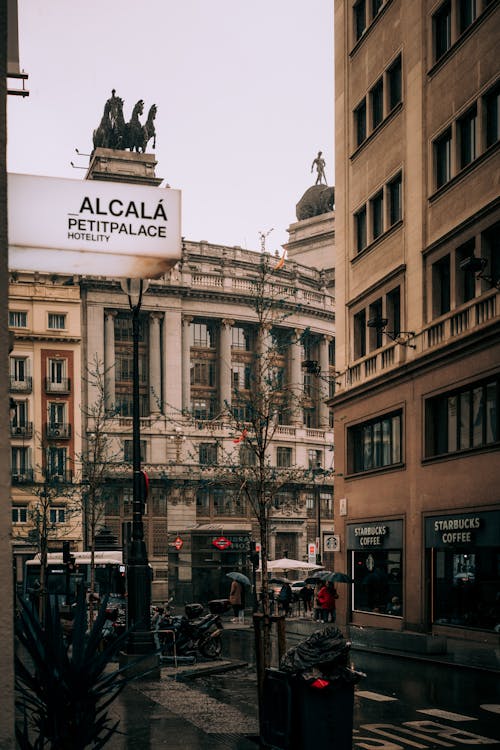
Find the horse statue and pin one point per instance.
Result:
(148, 130)
(133, 130)
(111, 129)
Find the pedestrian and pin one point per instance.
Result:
(285, 598)
(326, 601)
(237, 599)
(306, 594)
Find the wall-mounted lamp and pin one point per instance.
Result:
(477, 265)
(313, 367)
(401, 337)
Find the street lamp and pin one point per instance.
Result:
(138, 573)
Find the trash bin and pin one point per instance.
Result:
(309, 701)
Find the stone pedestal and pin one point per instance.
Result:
(123, 166)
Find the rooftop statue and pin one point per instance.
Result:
(114, 132)
(320, 164)
(317, 200)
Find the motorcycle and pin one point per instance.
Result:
(191, 633)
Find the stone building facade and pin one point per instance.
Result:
(196, 346)
(418, 313)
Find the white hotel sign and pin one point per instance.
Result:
(92, 227)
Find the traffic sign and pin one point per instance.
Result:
(221, 542)
(178, 543)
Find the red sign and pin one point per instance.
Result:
(178, 543)
(221, 542)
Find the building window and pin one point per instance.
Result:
(360, 226)
(465, 279)
(466, 14)
(360, 122)
(203, 373)
(393, 311)
(491, 113)
(203, 408)
(203, 502)
(377, 211)
(441, 286)
(18, 319)
(395, 200)
(247, 456)
(375, 333)
(377, 103)
(359, 19)
(315, 458)
(283, 457)
(19, 514)
(57, 515)
(395, 84)
(240, 377)
(19, 369)
(375, 444)
(442, 156)
(376, 7)
(57, 321)
(442, 30)
(360, 334)
(240, 338)
(21, 465)
(19, 417)
(128, 450)
(467, 136)
(463, 419)
(207, 453)
(56, 463)
(202, 336)
(490, 245)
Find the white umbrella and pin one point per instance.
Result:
(285, 563)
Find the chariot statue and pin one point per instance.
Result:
(113, 132)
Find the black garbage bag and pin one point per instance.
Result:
(324, 652)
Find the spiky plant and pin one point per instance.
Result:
(63, 690)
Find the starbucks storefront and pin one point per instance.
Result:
(463, 569)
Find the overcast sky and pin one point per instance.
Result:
(244, 92)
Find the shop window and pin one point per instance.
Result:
(442, 30)
(375, 444)
(377, 576)
(18, 319)
(360, 122)
(394, 80)
(463, 419)
(395, 202)
(377, 103)
(207, 453)
(442, 158)
(466, 127)
(360, 227)
(283, 457)
(441, 286)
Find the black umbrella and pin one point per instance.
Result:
(279, 580)
(240, 577)
(325, 576)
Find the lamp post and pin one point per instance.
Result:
(138, 573)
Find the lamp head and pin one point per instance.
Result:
(134, 289)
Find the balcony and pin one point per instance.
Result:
(22, 430)
(22, 476)
(21, 386)
(59, 477)
(60, 386)
(58, 430)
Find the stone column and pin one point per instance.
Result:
(109, 358)
(296, 378)
(225, 341)
(186, 362)
(324, 389)
(155, 394)
(172, 363)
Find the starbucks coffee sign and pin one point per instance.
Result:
(92, 227)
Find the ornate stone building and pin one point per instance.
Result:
(196, 346)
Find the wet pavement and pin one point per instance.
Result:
(402, 703)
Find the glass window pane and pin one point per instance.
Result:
(396, 439)
(491, 413)
(452, 424)
(464, 420)
(386, 440)
(367, 447)
(377, 444)
(477, 416)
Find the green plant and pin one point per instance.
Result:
(63, 690)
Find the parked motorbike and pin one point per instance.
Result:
(191, 633)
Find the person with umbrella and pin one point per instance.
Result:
(237, 595)
(326, 601)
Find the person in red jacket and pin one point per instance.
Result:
(326, 600)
